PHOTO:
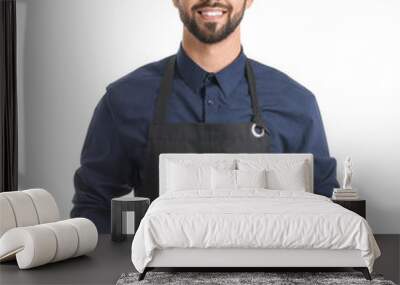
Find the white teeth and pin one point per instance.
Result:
(212, 13)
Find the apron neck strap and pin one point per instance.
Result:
(251, 81)
(161, 104)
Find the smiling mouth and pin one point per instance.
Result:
(211, 13)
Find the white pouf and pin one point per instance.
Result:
(32, 246)
(30, 230)
(22, 207)
(45, 205)
(7, 220)
(40, 244)
(27, 208)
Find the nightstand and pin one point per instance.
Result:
(126, 214)
(357, 206)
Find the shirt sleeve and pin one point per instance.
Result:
(105, 171)
(314, 141)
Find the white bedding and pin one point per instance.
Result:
(251, 218)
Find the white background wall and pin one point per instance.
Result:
(345, 52)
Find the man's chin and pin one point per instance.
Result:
(210, 34)
(204, 26)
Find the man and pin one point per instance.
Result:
(209, 97)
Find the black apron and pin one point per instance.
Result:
(251, 137)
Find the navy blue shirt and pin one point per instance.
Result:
(115, 142)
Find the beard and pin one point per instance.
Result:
(212, 35)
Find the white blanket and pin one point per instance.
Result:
(251, 218)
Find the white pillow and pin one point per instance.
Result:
(218, 163)
(231, 179)
(251, 178)
(289, 178)
(223, 179)
(281, 174)
(188, 177)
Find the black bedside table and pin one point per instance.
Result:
(123, 206)
(357, 206)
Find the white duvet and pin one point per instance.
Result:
(251, 218)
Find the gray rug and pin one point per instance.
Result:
(243, 278)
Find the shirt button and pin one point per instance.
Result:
(209, 76)
(210, 102)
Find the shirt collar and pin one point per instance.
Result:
(193, 75)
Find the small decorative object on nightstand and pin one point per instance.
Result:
(347, 192)
(357, 206)
(347, 196)
(126, 214)
(348, 173)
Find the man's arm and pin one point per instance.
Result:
(314, 141)
(105, 172)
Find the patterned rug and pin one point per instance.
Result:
(244, 278)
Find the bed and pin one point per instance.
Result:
(245, 211)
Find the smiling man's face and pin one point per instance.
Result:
(211, 21)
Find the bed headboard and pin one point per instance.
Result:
(164, 157)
